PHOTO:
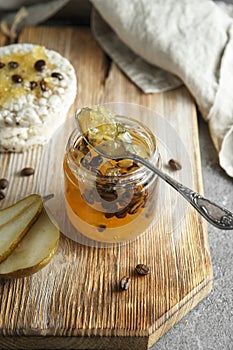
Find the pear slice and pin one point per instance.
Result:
(34, 251)
(15, 221)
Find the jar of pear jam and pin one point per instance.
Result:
(107, 200)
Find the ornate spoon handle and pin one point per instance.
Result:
(212, 212)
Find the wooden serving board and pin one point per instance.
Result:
(75, 302)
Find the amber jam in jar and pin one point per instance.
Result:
(107, 200)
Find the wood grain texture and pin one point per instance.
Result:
(75, 302)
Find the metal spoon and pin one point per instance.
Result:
(212, 212)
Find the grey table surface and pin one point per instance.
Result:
(209, 326)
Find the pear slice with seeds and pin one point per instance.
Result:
(15, 221)
(34, 251)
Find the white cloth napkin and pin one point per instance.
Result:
(161, 43)
(37, 10)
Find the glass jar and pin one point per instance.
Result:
(110, 201)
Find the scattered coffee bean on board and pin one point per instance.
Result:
(3, 183)
(125, 283)
(48, 197)
(2, 195)
(142, 269)
(174, 164)
(27, 171)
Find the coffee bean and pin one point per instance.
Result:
(174, 164)
(17, 78)
(125, 283)
(48, 197)
(122, 213)
(43, 85)
(138, 192)
(13, 64)
(136, 206)
(109, 215)
(3, 183)
(96, 161)
(27, 171)
(108, 196)
(40, 65)
(101, 228)
(142, 269)
(132, 169)
(33, 84)
(2, 195)
(2, 65)
(57, 75)
(107, 191)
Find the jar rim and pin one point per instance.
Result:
(142, 171)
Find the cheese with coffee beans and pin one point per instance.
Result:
(37, 88)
